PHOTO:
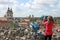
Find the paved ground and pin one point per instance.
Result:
(23, 33)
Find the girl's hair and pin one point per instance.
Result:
(50, 19)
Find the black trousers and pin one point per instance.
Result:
(49, 37)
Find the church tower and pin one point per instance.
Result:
(9, 14)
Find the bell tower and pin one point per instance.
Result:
(9, 14)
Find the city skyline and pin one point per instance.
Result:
(23, 8)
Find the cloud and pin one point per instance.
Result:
(44, 1)
(38, 7)
(35, 7)
(4, 0)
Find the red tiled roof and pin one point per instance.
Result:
(22, 23)
(3, 19)
(27, 20)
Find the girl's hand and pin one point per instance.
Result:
(44, 19)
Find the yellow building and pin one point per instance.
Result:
(24, 22)
(3, 22)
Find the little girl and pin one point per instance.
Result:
(48, 30)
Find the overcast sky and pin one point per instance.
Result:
(22, 8)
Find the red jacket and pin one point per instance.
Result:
(48, 29)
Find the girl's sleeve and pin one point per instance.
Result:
(44, 22)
